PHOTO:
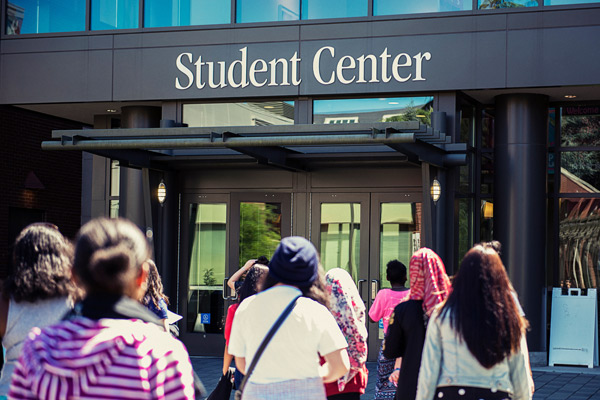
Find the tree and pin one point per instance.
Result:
(260, 230)
(412, 113)
(500, 4)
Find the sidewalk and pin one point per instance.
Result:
(551, 383)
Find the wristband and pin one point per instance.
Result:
(396, 369)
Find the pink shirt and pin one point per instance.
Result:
(384, 304)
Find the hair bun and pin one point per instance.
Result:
(109, 266)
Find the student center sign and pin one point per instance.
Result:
(258, 72)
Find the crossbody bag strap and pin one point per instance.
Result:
(267, 339)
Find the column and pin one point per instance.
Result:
(520, 202)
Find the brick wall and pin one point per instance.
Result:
(21, 134)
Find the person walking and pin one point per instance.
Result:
(110, 345)
(37, 292)
(429, 286)
(349, 312)
(475, 344)
(383, 306)
(155, 299)
(289, 366)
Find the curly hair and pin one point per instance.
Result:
(41, 268)
(154, 293)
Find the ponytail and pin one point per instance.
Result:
(112, 269)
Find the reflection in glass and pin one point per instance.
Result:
(208, 246)
(44, 16)
(186, 12)
(260, 230)
(580, 172)
(115, 172)
(487, 174)
(399, 235)
(567, 2)
(465, 222)
(373, 110)
(578, 241)
(486, 227)
(267, 10)
(487, 129)
(580, 126)
(391, 7)
(467, 124)
(114, 209)
(340, 237)
(115, 14)
(316, 9)
(486, 4)
(239, 114)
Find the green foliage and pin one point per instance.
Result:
(260, 230)
(489, 4)
(209, 279)
(412, 113)
(581, 131)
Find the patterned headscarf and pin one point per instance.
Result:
(428, 279)
(348, 310)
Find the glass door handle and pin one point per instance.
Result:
(360, 282)
(374, 288)
(225, 289)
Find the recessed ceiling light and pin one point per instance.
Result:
(570, 96)
(111, 110)
(393, 102)
(269, 106)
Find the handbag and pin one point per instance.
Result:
(263, 345)
(223, 389)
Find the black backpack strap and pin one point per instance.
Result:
(267, 339)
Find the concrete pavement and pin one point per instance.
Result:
(552, 383)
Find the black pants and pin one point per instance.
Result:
(345, 396)
(469, 393)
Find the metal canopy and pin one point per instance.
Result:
(267, 144)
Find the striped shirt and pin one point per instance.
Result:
(105, 359)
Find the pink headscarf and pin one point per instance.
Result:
(428, 279)
(348, 310)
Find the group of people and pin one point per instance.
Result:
(463, 339)
(90, 321)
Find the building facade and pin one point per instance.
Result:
(330, 120)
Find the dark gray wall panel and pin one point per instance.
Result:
(553, 57)
(56, 77)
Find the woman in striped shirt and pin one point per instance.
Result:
(104, 349)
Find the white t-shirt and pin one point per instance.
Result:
(293, 353)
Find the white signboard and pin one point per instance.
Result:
(574, 328)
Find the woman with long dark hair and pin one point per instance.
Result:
(155, 298)
(475, 343)
(110, 345)
(289, 366)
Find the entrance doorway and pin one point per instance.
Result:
(359, 232)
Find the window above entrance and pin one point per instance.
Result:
(239, 114)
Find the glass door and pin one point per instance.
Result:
(361, 232)
(203, 262)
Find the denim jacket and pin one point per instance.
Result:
(447, 361)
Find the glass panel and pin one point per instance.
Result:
(485, 4)
(267, 10)
(467, 124)
(580, 172)
(260, 230)
(578, 238)
(340, 237)
(44, 16)
(239, 114)
(465, 231)
(115, 172)
(186, 12)
(208, 249)
(373, 110)
(114, 209)
(466, 179)
(580, 126)
(390, 7)
(487, 129)
(487, 174)
(115, 14)
(567, 2)
(486, 227)
(399, 235)
(315, 9)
